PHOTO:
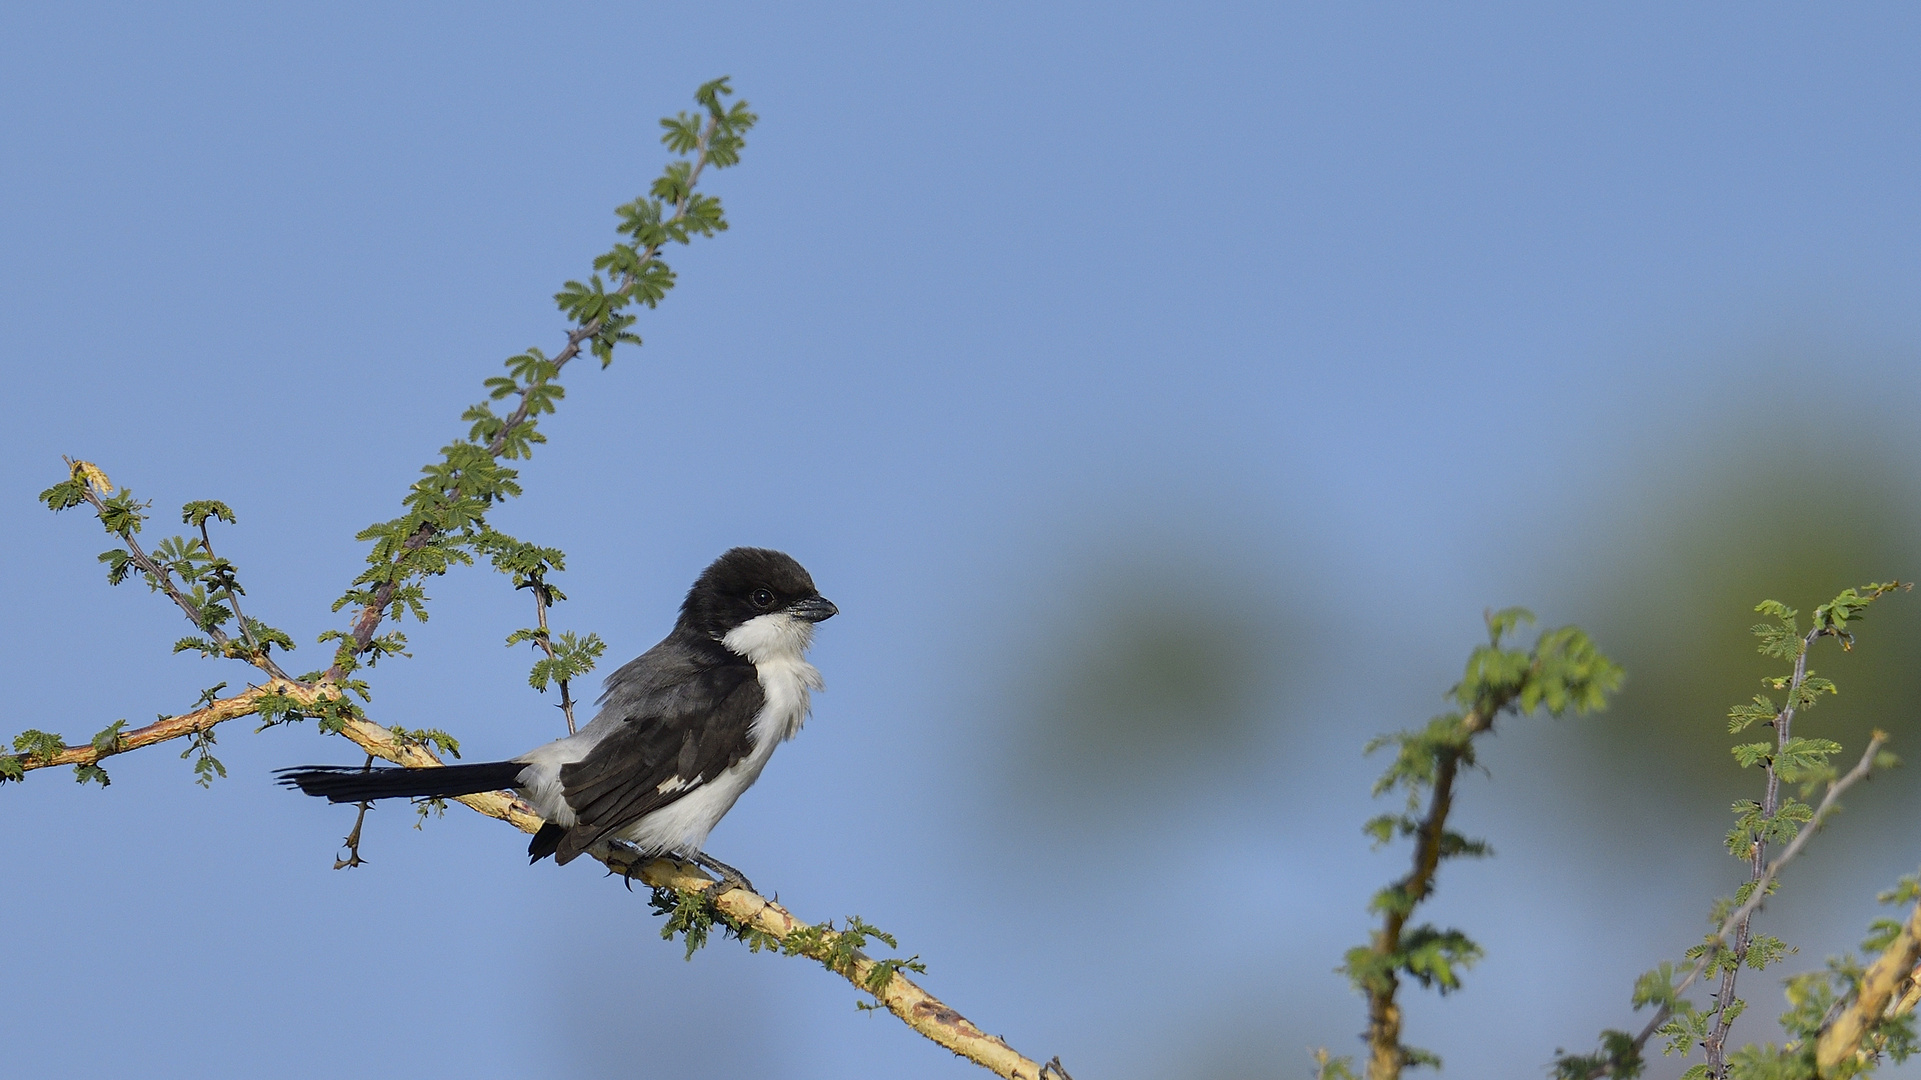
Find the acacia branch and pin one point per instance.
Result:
(163, 579)
(370, 617)
(1715, 1045)
(232, 588)
(1385, 1054)
(1895, 966)
(246, 703)
(1762, 884)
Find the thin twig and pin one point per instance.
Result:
(163, 578)
(164, 581)
(1759, 893)
(233, 593)
(545, 640)
(1715, 1045)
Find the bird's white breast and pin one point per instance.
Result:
(776, 644)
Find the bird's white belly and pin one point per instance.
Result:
(682, 825)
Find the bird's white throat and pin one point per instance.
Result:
(777, 643)
(775, 636)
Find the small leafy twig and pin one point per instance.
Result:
(1771, 820)
(197, 513)
(123, 516)
(1617, 1060)
(1564, 670)
(205, 765)
(1757, 826)
(451, 501)
(568, 656)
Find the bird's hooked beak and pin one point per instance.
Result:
(813, 609)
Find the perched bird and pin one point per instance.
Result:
(682, 731)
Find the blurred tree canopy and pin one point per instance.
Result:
(1794, 517)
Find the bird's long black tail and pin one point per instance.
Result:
(344, 783)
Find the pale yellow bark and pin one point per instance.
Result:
(1887, 986)
(244, 703)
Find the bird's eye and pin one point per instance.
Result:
(762, 598)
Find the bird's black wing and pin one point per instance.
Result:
(684, 723)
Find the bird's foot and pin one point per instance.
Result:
(635, 859)
(730, 878)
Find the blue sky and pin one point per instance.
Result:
(1356, 319)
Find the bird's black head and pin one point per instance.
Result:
(747, 583)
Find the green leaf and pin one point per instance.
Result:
(1799, 759)
(65, 495)
(42, 746)
(205, 766)
(1741, 717)
(196, 513)
(108, 739)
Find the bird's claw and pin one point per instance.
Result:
(729, 879)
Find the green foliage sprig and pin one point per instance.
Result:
(692, 915)
(1562, 671)
(205, 586)
(34, 747)
(445, 523)
(1773, 822)
(567, 656)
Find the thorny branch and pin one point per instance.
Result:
(1763, 883)
(542, 598)
(246, 703)
(232, 589)
(1385, 1055)
(93, 481)
(369, 619)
